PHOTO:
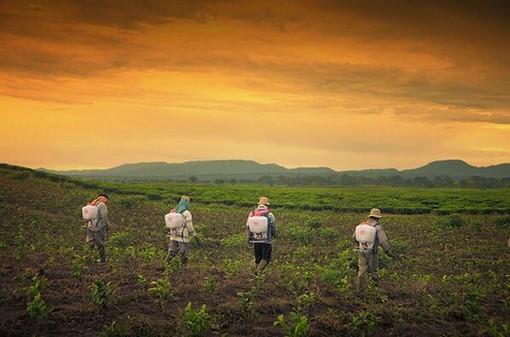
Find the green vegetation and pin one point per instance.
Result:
(453, 277)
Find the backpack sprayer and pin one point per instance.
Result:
(365, 235)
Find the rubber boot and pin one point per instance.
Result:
(260, 267)
(360, 286)
(184, 262)
(102, 254)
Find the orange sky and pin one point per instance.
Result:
(344, 84)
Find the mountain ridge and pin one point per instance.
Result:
(249, 169)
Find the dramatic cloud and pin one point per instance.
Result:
(318, 72)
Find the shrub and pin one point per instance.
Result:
(194, 323)
(452, 221)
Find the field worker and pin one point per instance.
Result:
(260, 229)
(367, 237)
(97, 230)
(179, 234)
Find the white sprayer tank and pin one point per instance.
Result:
(174, 220)
(89, 212)
(257, 224)
(365, 233)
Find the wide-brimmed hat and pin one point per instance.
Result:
(375, 213)
(263, 201)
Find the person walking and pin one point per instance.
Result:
(367, 238)
(260, 230)
(97, 230)
(179, 235)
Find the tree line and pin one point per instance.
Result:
(396, 180)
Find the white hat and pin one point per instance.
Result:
(375, 213)
(263, 201)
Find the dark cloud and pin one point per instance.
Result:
(83, 38)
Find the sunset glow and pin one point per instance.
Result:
(343, 84)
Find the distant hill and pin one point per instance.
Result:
(458, 169)
(248, 169)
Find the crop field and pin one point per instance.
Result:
(452, 277)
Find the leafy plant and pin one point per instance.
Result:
(36, 307)
(142, 281)
(162, 288)
(101, 293)
(114, 330)
(246, 302)
(77, 265)
(210, 284)
(194, 323)
(493, 329)
(232, 267)
(296, 326)
(364, 324)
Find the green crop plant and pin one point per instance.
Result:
(150, 253)
(101, 293)
(246, 302)
(162, 288)
(452, 221)
(142, 281)
(77, 265)
(194, 323)
(232, 267)
(494, 329)
(114, 330)
(210, 284)
(364, 324)
(21, 243)
(236, 241)
(38, 285)
(120, 239)
(36, 306)
(295, 326)
(306, 301)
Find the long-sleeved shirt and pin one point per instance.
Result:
(102, 220)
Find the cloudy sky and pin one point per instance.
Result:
(345, 84)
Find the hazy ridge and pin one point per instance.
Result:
(248, 169)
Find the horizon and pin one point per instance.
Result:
(348, 85)
(286, 167)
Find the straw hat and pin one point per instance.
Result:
(263, 201)
(375, 213)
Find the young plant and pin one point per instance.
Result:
(77, 266)
(101, 293)
(297, 326)
(162, 289)
(246, 302)
(364, 324)
(142, 281)
(194, 323)
(114, 330)
(36, 307)
(210, 284)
